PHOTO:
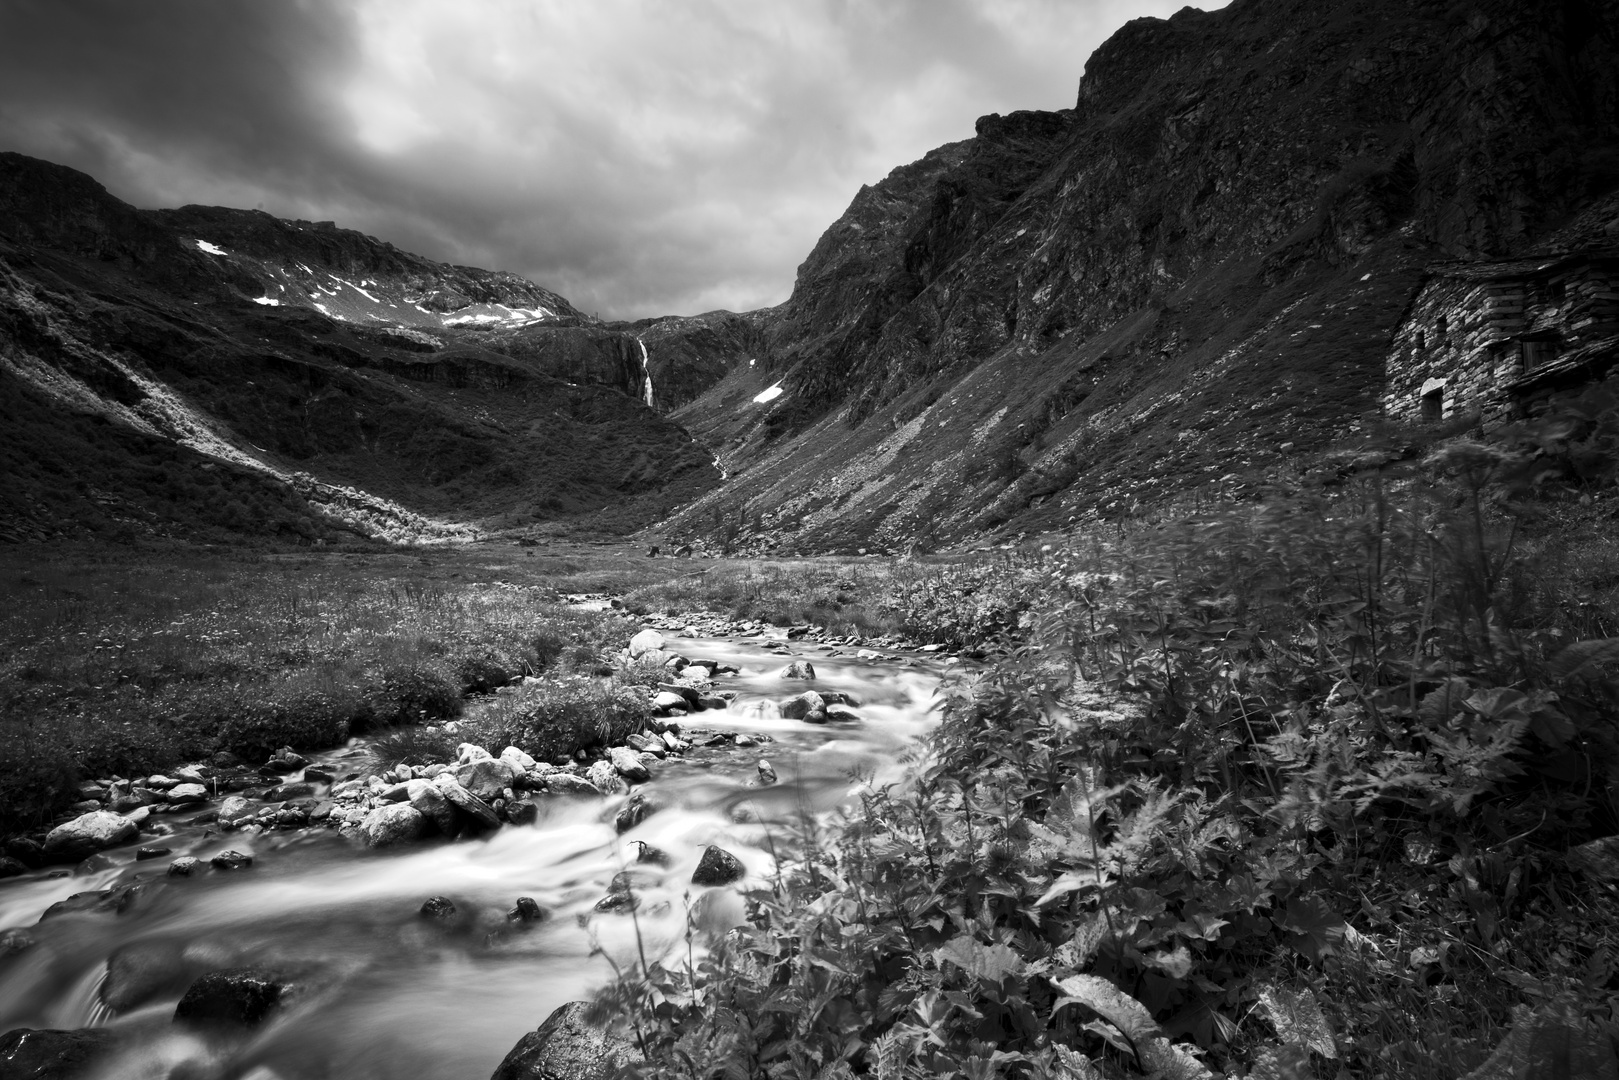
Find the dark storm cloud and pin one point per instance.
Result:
(640, 157)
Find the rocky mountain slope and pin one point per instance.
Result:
(1193, 274)
(208, 370)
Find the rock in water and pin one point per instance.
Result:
(526, 910)
(518, 759)
(606, 778)
(644, 642)
(646, 853)
(567, 1045)
(798, 669)
(629, 764)
(633, 812)
(562, 783)
(438, 907)
(236, 997)
(717, 867)
(797, 708)
(466, 801)
(231, 860)
(487, 777)
(188, 794)
(142, 971)
(393, 823)
(87, 834)
(767, 772)
(184, 866)
(30, 1054)
(429, 801)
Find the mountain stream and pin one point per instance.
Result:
(383, 992)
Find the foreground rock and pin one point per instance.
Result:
(392, 823)
(47, 1054)
(568, 1046)
(717, 867)
(87, 834)
(239, 997)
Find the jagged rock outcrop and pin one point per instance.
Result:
(1201, 261)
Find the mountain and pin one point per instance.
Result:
(1193, 275)
(210, 371)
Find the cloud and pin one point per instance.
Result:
(638, 156)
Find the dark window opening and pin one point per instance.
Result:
(1442, 327)
(1538, 352)
(1433, 405)
(1556, 291)
(1422, 340)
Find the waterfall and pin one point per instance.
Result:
(646, 376)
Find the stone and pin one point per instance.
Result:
(231, 860)
(429, 801)
(95, 864)
(237, 997)
(287, 759)
(767, 772)
(561, 783)
(607, 778)
(620, 894)
(629, 764)
(487, 777)
(313, 775)
(686, 693)
(144, 970)
(669, 703)
(717, 867)
(393, 823)
(522, 812)
(644, 642)
(286, 792)
(159, 782)
(842, 714)
(184, 866)
(815, 716)
(634, 811)
(470, 752)
(713, 701)
(26, 850)
(94, 900)
(567, 1045)
(798, 669)
(796, 708)
(437, 907)
(87, 834)
(518, 759)
(189, 774)
(646, 853)
(465, 801)
(526, 910)
(145, 853)
(15, 941)
(10, 867)
(54, 1054)
(236, 809)
(398, 792)
(187, 794)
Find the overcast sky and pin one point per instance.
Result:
(641, 157)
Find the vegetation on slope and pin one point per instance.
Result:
(1324, 785)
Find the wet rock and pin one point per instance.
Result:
(287, 759)
(393, 823)
(467, 753)
(712, 701)
(798, 669)
(313, 775)
(567, 1045)
(88, 834)
(717, 867)
(438, 907)
(184, 866)
(139, 972)
(159, 782)
(286, 792)
(231, 860)
(526, 910)
(142, 854)
(767, 772)
(646, 853)
(647, 641)
(606, 778)
(668, 703)
(686, 693)
(465, 801)
(620, 894)
(51, 1054)
(189, 774)
(236, 809)
(78, 902)
(15, 941)
(95, 864)
(629, 764)
(487, 778)
(842, 714)
(239, 997)
(815, 716)
(561, 783)
(10, 867)
(796, 708)
(522, 812)
(636, 810)
(838, 697)
(187, 794)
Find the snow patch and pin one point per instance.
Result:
(267, 301)
(210, 248)
(771, 394)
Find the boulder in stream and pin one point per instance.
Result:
(606, 778)
(50, 1054)
(466, 801)
(237, 997)
(144, 970)
(87, 834)
(438, 907)
(644, 642)
(798, 669)
(667, 703)
(188, 794)
(565, 783)
(629, 764)
(796, 708)
(487, 778)
(392, 823)
(430, 801)
(717, 867)
(568, 1045)
(231, 860)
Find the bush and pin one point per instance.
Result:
(412, 746)
(553, 719)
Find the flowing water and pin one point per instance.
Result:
(385, 993)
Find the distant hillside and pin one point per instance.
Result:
(209, 371)
(1195, 272)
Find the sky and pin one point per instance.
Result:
(641, 157)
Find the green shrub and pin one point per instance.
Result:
(412, 746)
(554, 718)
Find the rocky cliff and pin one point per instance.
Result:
(1193, 273)
(165, 370)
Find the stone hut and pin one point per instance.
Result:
(1492, 336)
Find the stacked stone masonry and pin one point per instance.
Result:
(1485, 337)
